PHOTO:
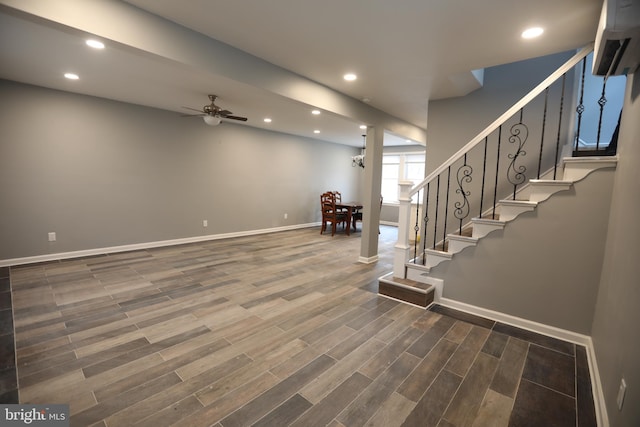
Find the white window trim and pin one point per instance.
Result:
(401, 173)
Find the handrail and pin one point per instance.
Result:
(582, 53)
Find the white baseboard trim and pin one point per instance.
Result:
(530, 325)
(390, 223)
(146, 245)
(368, 260)
(596, 387)
(562, 334)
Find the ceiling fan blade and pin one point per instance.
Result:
(224, 113)
(193, 115)
(242, 119)
(194, 109)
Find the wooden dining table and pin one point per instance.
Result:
(350, 207)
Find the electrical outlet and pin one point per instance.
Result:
(205, 223)
(52, 236)
(621, 392)
(286, 216)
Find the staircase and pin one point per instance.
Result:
(506, 170)
(416, 287)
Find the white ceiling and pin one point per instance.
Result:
(404, 52)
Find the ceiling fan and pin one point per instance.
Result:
(212, 114)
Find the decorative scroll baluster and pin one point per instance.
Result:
(544, 122)
(555, 163)
(462, 207)
(446, 207)
(426, 223)
(516, 174)
(580, 107)
(601, 102)
(495, 187)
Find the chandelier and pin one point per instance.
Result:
(359, 159)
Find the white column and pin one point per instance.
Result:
(402, 248)
(371, 197)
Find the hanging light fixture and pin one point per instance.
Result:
(359, 159)
(211, 120)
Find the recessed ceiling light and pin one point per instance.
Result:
(71, 76)
(267, 120)
(531, 33)
(316, 131)
(95, 44)
(349, 77)
(315, 112)
(363, 127)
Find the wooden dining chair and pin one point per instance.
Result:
(330, 214)
(357, 216)
(338, 197)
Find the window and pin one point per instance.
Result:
(400, 167)
(390, 177)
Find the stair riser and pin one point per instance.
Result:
(576, 169)
(482, 230)
(408, 295)
(541, 192)
(509, 213)
(434, 260)
(416, 273)
(456, 246)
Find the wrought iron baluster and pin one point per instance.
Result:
(484, 170)
(601, 102)
(416, 228)
(544, 122)
(555, 163)
(516, 174)
(580, 107)
(446, 207)
(463, 175)
(495, 187)
(426, 223)
(435, 224)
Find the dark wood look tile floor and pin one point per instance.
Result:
(272, 330)
(8, 373)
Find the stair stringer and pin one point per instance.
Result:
(577, 168)
(539, 191)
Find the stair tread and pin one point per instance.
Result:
(410, 283)
(590, 159)
(464, 237)
(488, 219)
(439, 252)
(518, 202)
(558, 182)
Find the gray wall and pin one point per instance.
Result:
(101, 173)
(616, 333)
(544, 266)
(454, 122)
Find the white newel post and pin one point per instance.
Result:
(402, 247)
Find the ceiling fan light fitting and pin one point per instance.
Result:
(212, 120)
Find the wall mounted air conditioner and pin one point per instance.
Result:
(617, 47)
